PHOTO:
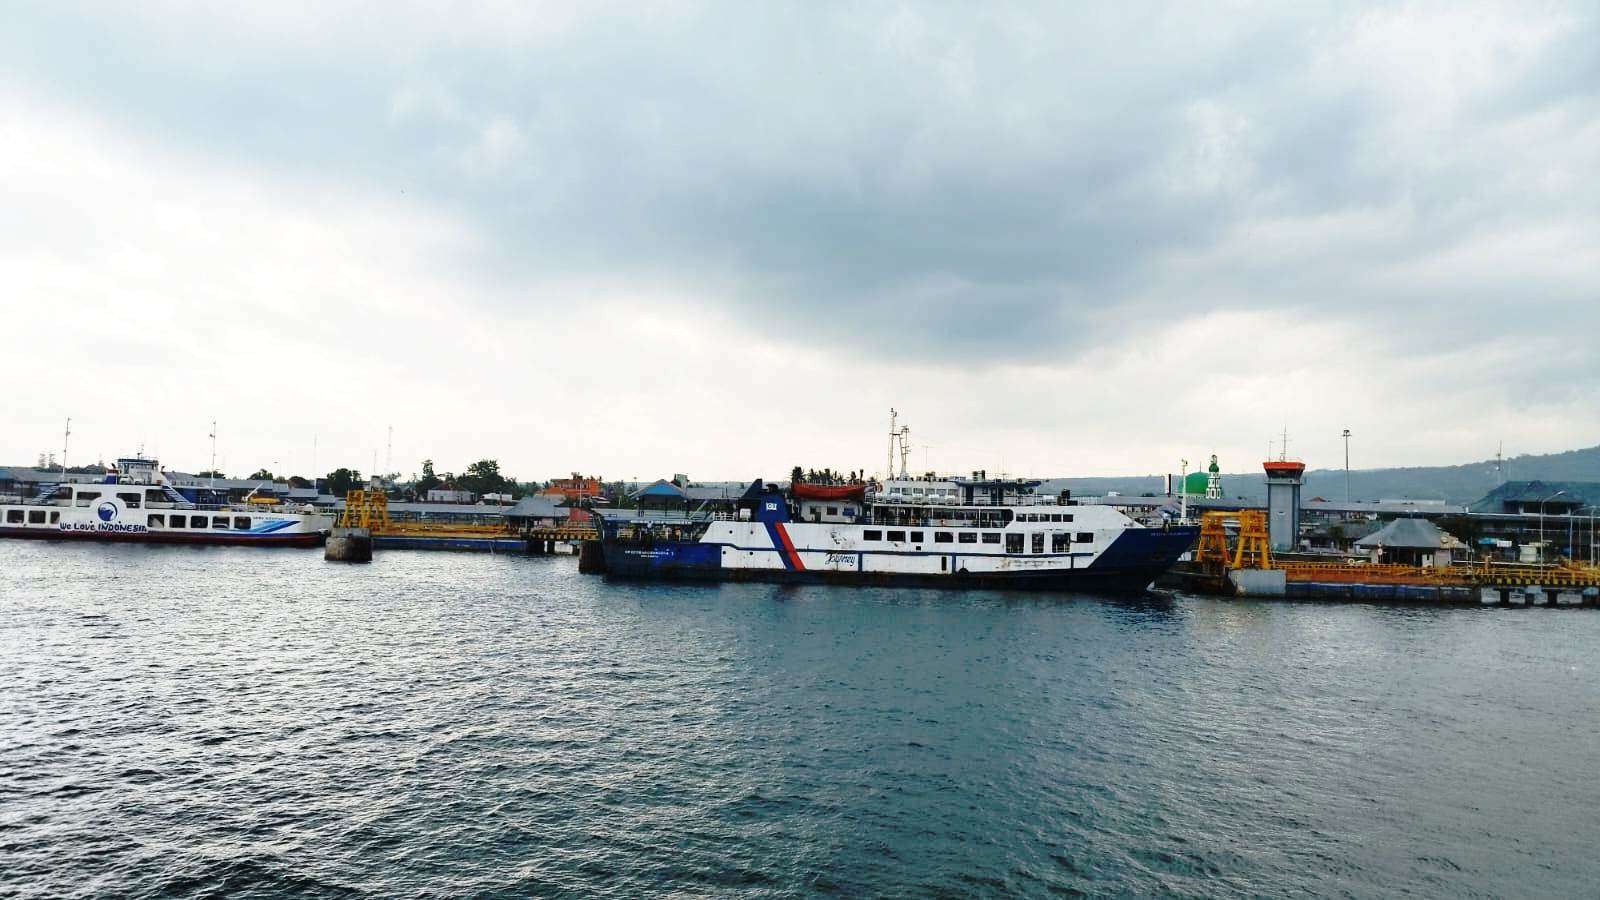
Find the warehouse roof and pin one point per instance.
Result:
(1410, 534)
(537, 506)
(1515, 494)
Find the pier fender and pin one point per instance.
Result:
(1259, 582)
(348, 545)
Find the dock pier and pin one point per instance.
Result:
(1246, 566)
(348, 545)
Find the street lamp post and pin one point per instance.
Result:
(1541, 522)
(1590, 510)
(1183, 491)
(1347, 465)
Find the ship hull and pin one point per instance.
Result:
(239, 539)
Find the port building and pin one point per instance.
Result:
(1411, 542)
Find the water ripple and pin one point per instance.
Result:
(265, 724)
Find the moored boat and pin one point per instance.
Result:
(136, 503)
(948, 533)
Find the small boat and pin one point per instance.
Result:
(805, 490)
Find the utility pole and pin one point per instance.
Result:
(1347, 465)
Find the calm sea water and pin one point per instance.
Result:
(261, 723)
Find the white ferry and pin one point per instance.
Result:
(137, 503)
(953, 532)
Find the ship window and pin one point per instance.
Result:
(1060, 542)
(872, 535)
(833, 510)
(154, 497)
(916, 537)
(55, 518)
(130, 499)
(197, 521)
(1066, 517)
(1085, 537)
(967, 537)
(943, 537)
(63, 492)
(13, 517)
(897, 536)
(241, 523)
(157, 522)
(1055, 517)
(1013, 543)
(991, 537)
(849, 510)
(180, 521)
(35, 517)
(219, 521)
(85, 498)
(1038, 542)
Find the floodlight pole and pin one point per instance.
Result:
(1541, 523)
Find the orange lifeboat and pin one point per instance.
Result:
(806, 491)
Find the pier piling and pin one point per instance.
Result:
(348, 545)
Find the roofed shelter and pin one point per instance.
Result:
(1414, 542)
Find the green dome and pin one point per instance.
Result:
(1196, 483)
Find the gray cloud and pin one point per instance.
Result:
(1030, 178)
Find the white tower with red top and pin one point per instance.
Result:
(1283, 501)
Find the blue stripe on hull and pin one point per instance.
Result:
(207, 538)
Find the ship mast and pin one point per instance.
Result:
(213, 454)
(888, 470)
(900, 438)
(66, 438)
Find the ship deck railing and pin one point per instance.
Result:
(260, 508)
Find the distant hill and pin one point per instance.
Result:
(1452, 484)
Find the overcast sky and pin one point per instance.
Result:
(724, 239)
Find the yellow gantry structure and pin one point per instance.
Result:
(370, 509)
(1251, 550)
(365, 509)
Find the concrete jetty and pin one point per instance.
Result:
(348, 545)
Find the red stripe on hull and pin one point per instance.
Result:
(299, 539)
(788, 549)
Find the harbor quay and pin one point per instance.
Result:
(1525, 543)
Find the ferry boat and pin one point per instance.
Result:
(952, 532)
(136, 503)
